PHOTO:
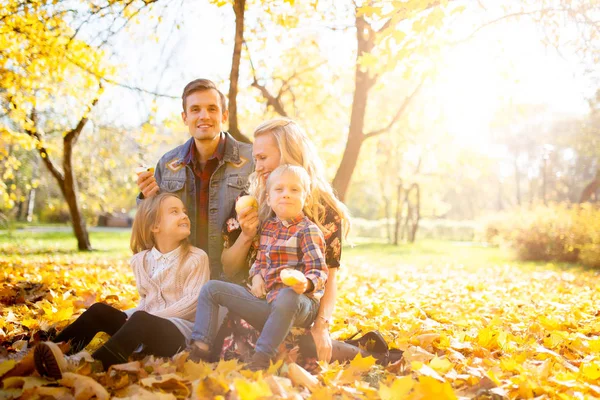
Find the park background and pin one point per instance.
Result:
(464, 136)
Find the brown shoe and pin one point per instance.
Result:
(49, 360)
(259, 362)
(197, 354)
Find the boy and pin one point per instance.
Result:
(288, 240)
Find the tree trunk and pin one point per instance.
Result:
(415, 213)
(386, 210)
(518, 180)
(68, 186)
(239, 9)
(591, 188)
(399, 205)
(66, 177)
(362, 84)
(79, 227)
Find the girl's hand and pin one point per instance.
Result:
(248, 219)
(258, 286)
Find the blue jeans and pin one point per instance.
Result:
(273, 320)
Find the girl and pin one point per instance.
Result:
(169, 274)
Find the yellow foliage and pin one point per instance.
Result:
(497, 330)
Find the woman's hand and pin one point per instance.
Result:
(320, 334)
(248, 219)
(258, 286)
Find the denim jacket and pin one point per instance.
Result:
(227, 182)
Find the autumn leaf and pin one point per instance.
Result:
(358, 366)
(247, 390)
(398, 390)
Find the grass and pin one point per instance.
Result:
(106, 244)
(114, 244)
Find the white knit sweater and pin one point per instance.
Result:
(169, 289)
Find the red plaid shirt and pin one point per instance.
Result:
(202, 185)
(294, 243)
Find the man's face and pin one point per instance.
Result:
(203, 115)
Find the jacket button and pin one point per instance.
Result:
(213, 210)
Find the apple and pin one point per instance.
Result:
(245, 202)
(291, 277)
(140, 169)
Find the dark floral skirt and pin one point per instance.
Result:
(238, 340)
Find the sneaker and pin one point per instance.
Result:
(49, 360)
(259, 362)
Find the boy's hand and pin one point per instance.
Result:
(300, 287)
(258, 286)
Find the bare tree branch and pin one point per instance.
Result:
(271, 100)
(398, 114)
(39, 146)
(115, 83)
(502, 18)
(74, 133)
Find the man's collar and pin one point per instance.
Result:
(191, 155)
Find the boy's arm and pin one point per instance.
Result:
(312, 245)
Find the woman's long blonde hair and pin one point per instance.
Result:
(297, 149)
(146, 218)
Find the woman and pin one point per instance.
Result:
(282, 141)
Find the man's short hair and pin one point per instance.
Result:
(200, 85)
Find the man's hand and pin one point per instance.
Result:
(147, 184)
(248, 219)
(258, 286)
(320, 334)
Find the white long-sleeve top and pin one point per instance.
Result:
(169, 289)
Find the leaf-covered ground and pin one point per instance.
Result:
(471, 326)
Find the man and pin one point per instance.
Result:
(208, 172)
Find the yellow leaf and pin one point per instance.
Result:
(226, 367)
(591, 371)
(212, 386)
(6, 366)
(85, 387)
(357, 367)
(24, 382)
(398, 390)
(247, 390)
(441, 365)
(430, 388)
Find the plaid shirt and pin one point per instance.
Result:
(203, 176)
(294, 243)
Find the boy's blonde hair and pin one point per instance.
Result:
(296, 149)
(146, 218)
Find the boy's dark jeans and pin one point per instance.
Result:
(274, 320)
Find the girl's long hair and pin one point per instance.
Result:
(146, 218)
(297, 149)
